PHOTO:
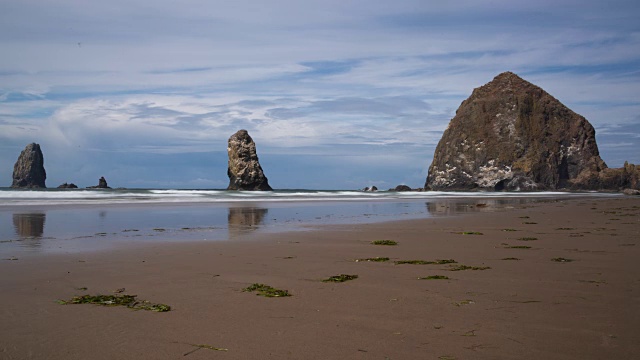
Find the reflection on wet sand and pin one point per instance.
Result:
(457, 206)
(245, 219)
(29, 227)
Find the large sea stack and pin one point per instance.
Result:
(512, 135)
(28, 172)
(245, 172)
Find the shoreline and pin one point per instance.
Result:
(531, 308)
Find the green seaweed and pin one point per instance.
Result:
(373, 259)
(562, 260)
(463, 302)
(597, 282)
(434, 277)
(340, 278)
(510, 258)
(205, 346)
(528, 238)
(266, 290)
(565, 228)
(426, 262)
(518, 247)
(529, 223)
(385, 242)
(470, 233)
(129, 301)
(509, 230)
(466, 267)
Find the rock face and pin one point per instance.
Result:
(245, 172)
(512, 135)
(68, 186)
(28, 172)
(102, 184)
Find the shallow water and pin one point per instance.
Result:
(54, 221)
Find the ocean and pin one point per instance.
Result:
(79, 220)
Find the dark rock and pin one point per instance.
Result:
(102, 184)
(28, 172)
(370, 189)
(626, 177)
(245, 172)
(401, 188)
(512, 135)
(68, 186)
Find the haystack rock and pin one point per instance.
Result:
(512, 135)
(28, 172)
(245, 172)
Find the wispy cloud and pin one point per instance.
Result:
(360, 89)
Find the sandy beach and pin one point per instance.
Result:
(511, 301)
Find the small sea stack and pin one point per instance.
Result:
(102, 184)
(245, 172)
(28, 172)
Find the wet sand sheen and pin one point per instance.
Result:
(512, 300)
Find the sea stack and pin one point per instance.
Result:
(28, 172)
(512, 135)
(245, 172)
(102, 184)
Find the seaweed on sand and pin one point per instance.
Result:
(129, 301)
(340, 278)
(385, 242)
(434, 277)
(426, 262)
(266, 290)
(466, 267)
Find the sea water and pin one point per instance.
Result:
(63, 221)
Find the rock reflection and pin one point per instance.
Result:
(458, 206)
(29, 227)
(243, 220)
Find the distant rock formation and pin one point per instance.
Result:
(28, 172)
(68, 186)
(370, 189)
(512, 135)
(245, 172)
(626, 177)
(102, 184)
(401, 188)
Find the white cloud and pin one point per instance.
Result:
(316, 78)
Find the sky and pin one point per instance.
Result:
(336, 94)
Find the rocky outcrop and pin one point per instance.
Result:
(68, 186)
(28, 172)
(401, 188)
(370, 189)
(616, 179)
(245, 172)
(512, 135)
(102, 184)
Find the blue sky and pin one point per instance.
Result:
(336, 94)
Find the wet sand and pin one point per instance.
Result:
(530, 308)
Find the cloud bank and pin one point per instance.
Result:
(336, 94)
